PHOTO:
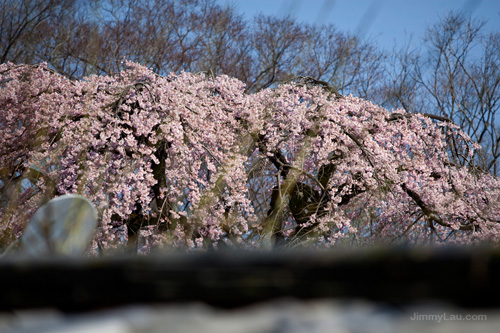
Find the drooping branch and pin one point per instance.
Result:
(397, 116)
(306, 80)
(431, 214)
(275, 157)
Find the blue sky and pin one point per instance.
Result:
(385, 22)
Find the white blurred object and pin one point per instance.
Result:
(63, 226)
(282, 315)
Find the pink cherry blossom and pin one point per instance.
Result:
(194, 161)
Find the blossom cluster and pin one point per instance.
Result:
(193, 160)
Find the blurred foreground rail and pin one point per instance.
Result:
(465, 277)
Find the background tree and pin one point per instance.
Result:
(81, 38)
(20, 23)
(457, 76)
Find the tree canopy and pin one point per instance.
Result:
(453, 72)
(194, 160)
